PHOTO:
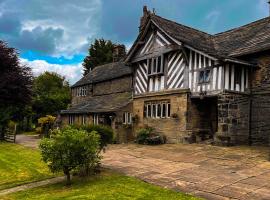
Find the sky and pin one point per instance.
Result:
(54, 35)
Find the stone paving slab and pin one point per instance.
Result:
(202, 170)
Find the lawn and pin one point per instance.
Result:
(19, 165)
(106, 186)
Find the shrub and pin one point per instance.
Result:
(106, 133)
(46, 123)
(38, 130)
(150, 137)
(69, 150)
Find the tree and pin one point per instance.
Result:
(15, 85)
(51, 94)
(70, 149)
(99, 53)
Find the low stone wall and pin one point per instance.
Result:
(233, 119)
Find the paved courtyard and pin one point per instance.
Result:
(205, 171)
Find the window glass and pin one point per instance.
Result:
(124, 118)
(159, 110)
(201, 77)
(168, 110)
(155, 66)
(154, 110)
(144, 111)
(159, 64)
(206, 75)
(163, 114)
(149, 110)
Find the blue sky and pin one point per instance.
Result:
(54, 35)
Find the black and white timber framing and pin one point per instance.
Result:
(179, 67)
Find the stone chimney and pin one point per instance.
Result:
(119, 52)
(143, 20)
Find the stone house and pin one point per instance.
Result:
(192, 86)
(103, 96)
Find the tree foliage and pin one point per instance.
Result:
(99, 53)
(15, 85)
(51, 94)
(105, 133)
(70, 149)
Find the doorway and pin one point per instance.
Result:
(203, 117)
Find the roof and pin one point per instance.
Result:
(248, 39)
(193, 37)
(105, 72)
(101, 104)
(251, 38)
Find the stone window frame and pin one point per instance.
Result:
(127, 118)
(155, 109)
(81, 91)
(71, 119)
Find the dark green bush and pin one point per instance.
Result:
(106, 133)
(71, 150)
(150, 137)
(143, 134)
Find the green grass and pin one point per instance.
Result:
(106, 186)
(19, 165)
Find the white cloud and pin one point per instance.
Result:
(71, 72)
(78, 19)
(212, 18)
(263, 7)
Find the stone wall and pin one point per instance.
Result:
(202, 118)
(260, 118)
(124, 133)
(233, 119)
(123, 84)
(172, 128)
(79, 99)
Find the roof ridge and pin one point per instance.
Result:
(243, 26)
(179, 24)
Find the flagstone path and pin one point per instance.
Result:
(205, 171)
